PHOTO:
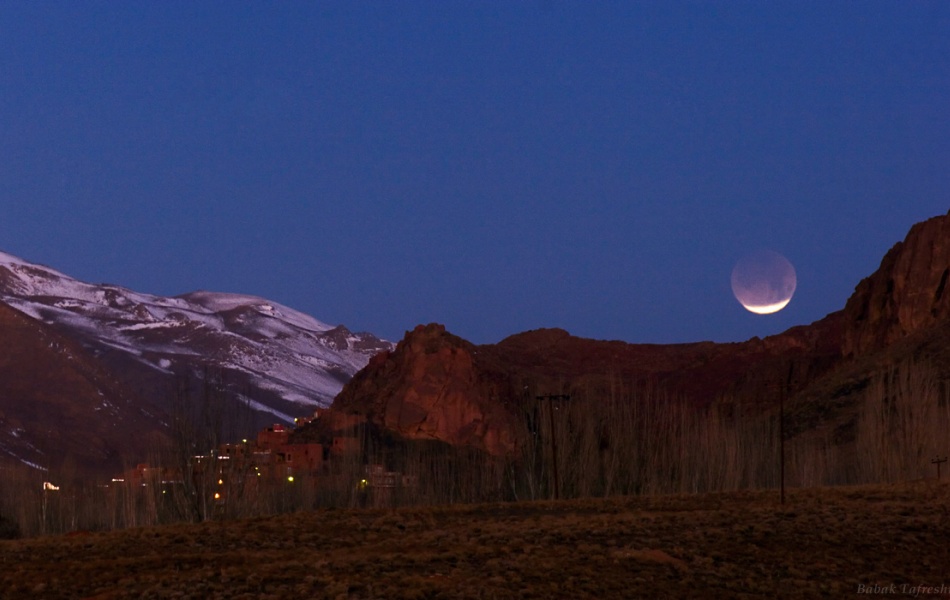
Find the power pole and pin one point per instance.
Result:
(551, 398)
(781, 429)
(938, 461)
(781, 444)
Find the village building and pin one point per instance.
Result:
(270, 459)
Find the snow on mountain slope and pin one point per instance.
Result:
(260, 345)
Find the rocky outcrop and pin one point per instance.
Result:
(553, 361)
(438, 386)
(907, 293)
(432, 387)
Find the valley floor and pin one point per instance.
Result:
(841, 542)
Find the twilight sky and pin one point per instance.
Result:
(493, 166)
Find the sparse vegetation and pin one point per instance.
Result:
(821, 543)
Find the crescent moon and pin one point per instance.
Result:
(764, 282)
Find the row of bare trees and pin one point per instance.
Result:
(635, 439)
(630, 438)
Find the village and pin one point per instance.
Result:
(271, 463)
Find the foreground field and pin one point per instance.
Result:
(821, 543)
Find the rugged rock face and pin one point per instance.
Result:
(702, 372)
(432, 387)
(907, 293)
(438, 386)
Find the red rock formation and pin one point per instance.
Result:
(431, 388)
(438, 386)
(907, 293)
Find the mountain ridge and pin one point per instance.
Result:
(275, 361)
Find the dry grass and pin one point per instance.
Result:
(822, 542)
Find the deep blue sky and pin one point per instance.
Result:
(494, 166)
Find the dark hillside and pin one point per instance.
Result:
(50, 385)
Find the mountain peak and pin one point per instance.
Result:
(220, 302)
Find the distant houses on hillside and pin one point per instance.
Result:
(270, 460)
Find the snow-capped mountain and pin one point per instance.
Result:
(281, 362)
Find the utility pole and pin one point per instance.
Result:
(551, 398)
(781, 444)
(938, 461)
(781, 429)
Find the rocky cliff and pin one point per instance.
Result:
(435, 385)
(432, 386)
(907, 293)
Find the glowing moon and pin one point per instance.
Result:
(763, 282)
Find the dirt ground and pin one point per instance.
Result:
(834, 543)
